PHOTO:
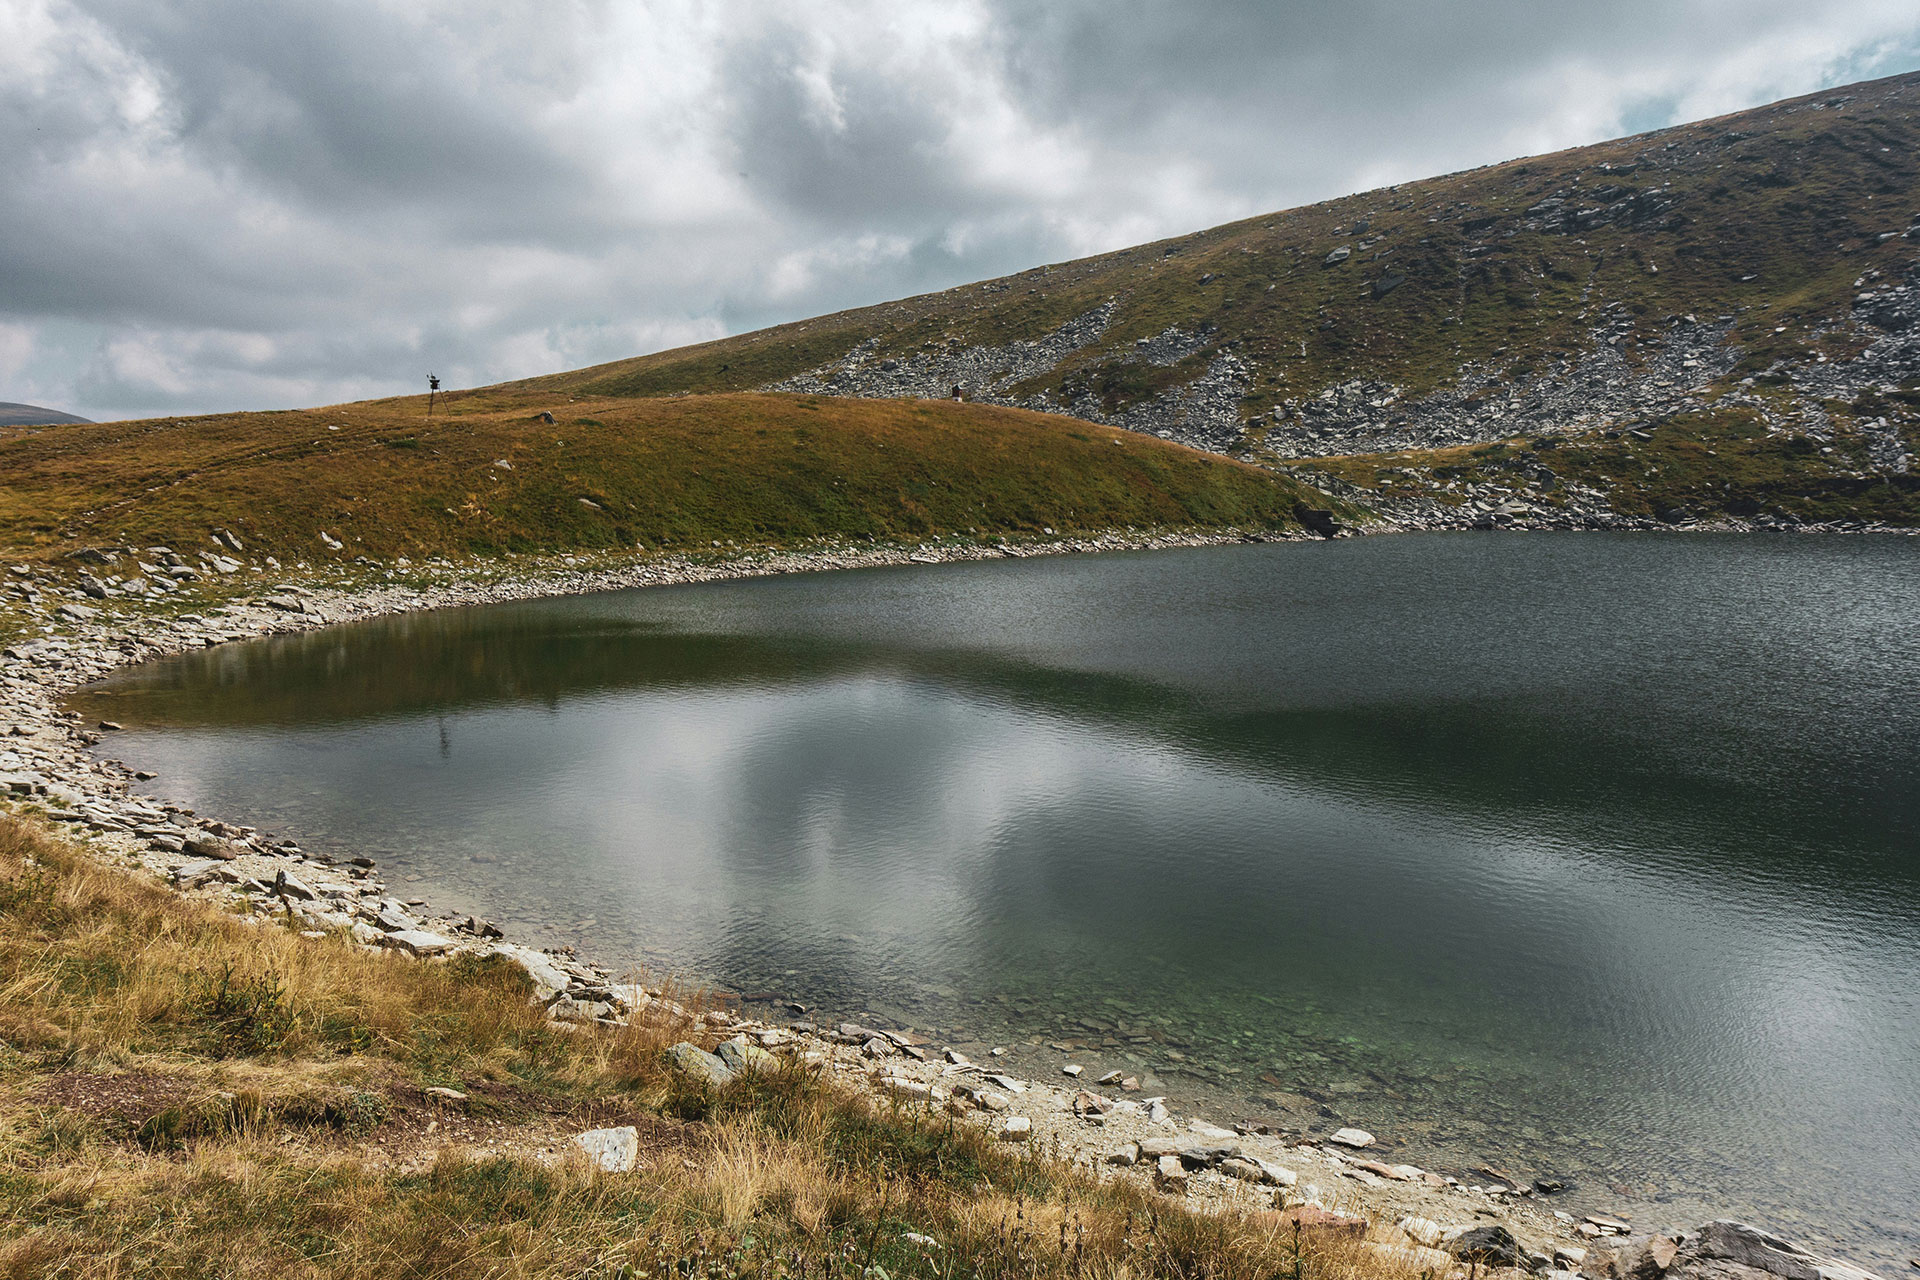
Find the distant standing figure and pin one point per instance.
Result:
(956, 391)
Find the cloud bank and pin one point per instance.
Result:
(211, 204)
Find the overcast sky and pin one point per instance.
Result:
(222, 204)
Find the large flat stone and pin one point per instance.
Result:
(416, 942)
(1725, 1240)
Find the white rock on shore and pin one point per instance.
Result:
(611, 1150)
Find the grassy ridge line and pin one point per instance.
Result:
(1768, 215)
(186, 1094)
(386, 481)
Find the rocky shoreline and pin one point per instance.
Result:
(1486, 506)
(1412, 1217)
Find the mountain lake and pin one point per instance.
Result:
(1592, 857)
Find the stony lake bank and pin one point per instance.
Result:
(1342, 1179)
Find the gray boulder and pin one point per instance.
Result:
(1495, 1246)
(549, 979)
(1196, 1154)
(207, 845)
(287, 886)
(568, 1009)
(692, 1060)
(192, 873)
(394, 921)
(416, 942)
(739, 1055)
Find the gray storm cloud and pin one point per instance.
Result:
(212, 204)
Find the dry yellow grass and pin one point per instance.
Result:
(489, 474)
(184, 1094)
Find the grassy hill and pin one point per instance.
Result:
(1759, 272)
(1716, 319)
(494, 474)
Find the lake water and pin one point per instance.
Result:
(1591, 857)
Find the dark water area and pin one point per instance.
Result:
(1593, 857)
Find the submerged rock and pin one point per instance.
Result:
(1729, 1250)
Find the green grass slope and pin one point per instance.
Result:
(493, 475)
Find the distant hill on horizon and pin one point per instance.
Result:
(32, 415)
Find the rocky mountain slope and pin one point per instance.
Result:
(1761, 269)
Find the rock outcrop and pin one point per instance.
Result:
(1729, 1250)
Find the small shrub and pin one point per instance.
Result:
(28, 896)
(250, 1015)
(360, 1111)
(494, 971)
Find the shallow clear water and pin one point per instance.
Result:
(1587, 856)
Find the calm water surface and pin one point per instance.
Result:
(1593, 857)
